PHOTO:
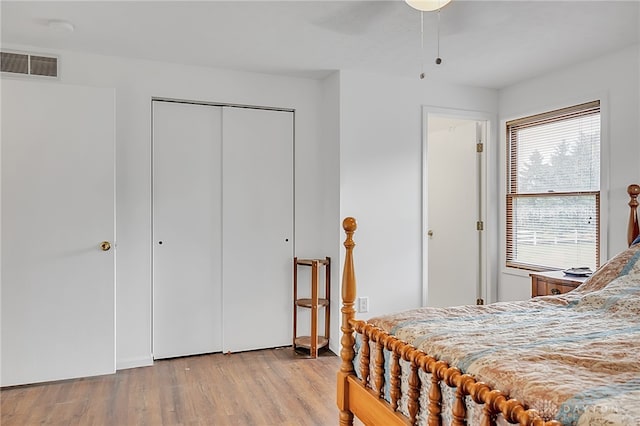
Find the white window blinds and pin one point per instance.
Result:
(553, 189)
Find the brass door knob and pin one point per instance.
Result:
(430, 233)
(105, 245)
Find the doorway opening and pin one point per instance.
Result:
(454, 208)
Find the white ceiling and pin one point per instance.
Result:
(483, 43)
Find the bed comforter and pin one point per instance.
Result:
(574, 357)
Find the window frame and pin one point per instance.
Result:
(511, 178)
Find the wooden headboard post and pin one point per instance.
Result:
(632, 231)
(348, 313)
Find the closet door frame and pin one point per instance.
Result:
(291, 237)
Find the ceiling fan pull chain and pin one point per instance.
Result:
(422, 75)
(438, 58)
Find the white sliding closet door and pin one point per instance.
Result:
(258, 228)
(58, 195)
(187, 317)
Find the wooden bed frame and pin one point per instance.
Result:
(356, 397)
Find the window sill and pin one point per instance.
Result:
(516, 272)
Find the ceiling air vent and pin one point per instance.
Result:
(24, 63)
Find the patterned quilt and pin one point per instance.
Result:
(574, 357)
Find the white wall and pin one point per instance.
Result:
(136, 82)
(380, 178)
(330, 165)
(615, 79)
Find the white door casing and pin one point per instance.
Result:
(58, 199)
(187, 229)
(257, 228)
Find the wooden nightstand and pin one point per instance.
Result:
(553, 283)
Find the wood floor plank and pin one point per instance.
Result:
(261, 388)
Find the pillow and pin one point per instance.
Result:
(636, 241)
(620, 264)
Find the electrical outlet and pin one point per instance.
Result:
(363, 304)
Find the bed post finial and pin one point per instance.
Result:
(632, 231)
(348, 275)
(348, 313)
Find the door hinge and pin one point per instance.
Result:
(479, 301)
(480, 225)
(479, 147)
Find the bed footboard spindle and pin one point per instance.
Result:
(413, 405)
(458, 410)
(379, 363)
(492, 406)
(365, 359)
(394, 380)
(488, 416)
(463, 386)
(633, 190)
(435, 394)
(347, 340)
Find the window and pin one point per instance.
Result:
(553, 189)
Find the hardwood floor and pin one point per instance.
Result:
(268, 387)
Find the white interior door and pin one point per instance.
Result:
(187, 289)
(58, 289)
(258, 228)
(453, 177)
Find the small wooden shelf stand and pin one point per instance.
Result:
(312, 342)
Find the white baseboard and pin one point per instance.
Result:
(123, 364)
